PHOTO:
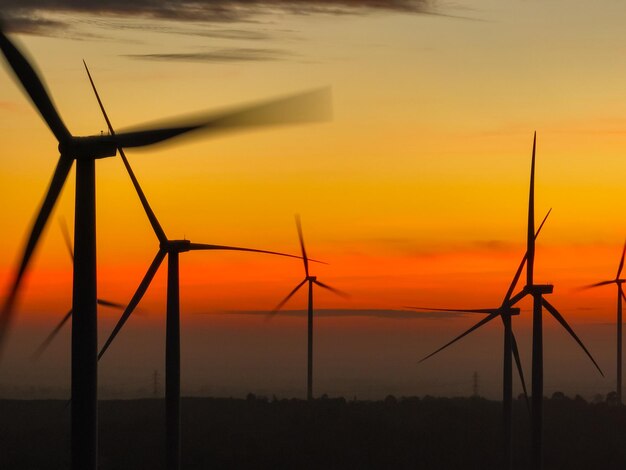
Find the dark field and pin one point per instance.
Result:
(426, 433)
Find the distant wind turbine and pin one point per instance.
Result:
(306, 107)
(171, 249)
(310, 280)
(103, 303)
(537, 291)
(620, 295)
(505, 311)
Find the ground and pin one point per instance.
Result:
(260, 433)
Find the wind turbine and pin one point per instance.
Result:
(537, 292)
(310, 280)
(101, 302)
(171, 249)
(505, 311)
(306, 107)
(620, 295)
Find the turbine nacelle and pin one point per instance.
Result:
(176, 246)
(311, 278)
(539, 289)
(93, 147)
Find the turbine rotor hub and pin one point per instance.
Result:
(511, 311)
(92, 147)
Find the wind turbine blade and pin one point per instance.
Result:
(545, 217)
(516, 277)
(44, 345)
(459, 310)
(301, 237)
(530, 239)
(139, 293)
(58, 179)
(622, 292)
(156, 226)
(555, 313)
(33, 85)
(66, 237)
(518, 363)
(286, 299)
(520, 268)
(311, 106)
(106, 303)
(207, 247)
(621, 263)
(332, 289)
(476, 326)
(597, 284)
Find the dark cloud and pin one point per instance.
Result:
(213, 9)
(91, 19)
(31, 16)
(219, 55)
(31, 24)
(378, 313)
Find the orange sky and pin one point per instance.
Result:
(415, 193)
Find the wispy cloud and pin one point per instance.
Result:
(417, 249)
(219, 55)
(493, 245)
(378, 313)
(213, 31)
(9, 105)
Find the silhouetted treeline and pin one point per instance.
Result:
(261, 433)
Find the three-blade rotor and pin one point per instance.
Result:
(307, 276)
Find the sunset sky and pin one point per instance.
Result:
(415, 193)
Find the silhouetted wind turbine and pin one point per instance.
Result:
(171, 249)
(505, 311)
(312, 106)
(537, 291)
(620, 295)
(104, 303)
(310, 280)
